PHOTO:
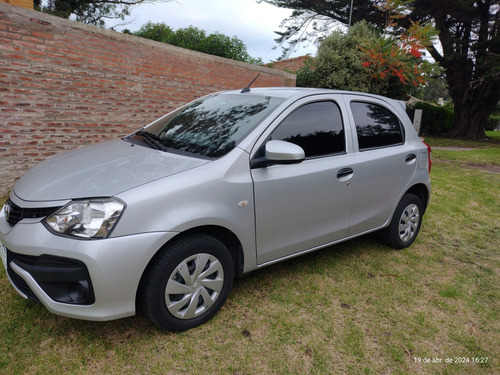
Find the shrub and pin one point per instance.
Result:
(306, 75)
(436, 120)
(493, 122)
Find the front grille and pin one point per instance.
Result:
(14, 214)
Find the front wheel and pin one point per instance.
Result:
(187, 283)
(405, 223)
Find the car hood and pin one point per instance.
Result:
(101, 170)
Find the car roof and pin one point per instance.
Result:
(301, 92)
(288, 92)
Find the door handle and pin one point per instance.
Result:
(410, 157)
(344, 172)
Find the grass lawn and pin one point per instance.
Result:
(355, 308)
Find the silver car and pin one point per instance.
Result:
(166, 217)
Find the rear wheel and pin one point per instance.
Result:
(405, 223)
(187, 283)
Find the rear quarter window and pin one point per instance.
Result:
(376, 126)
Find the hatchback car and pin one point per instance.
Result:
(166, 217)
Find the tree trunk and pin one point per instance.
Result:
(470, 124)
(474, 101)
(468, 32)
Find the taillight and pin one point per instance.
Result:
(429, 151)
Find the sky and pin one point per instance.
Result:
(251, 22)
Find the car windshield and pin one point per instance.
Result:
(211, 126)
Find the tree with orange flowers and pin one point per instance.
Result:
(364, 60)
(399, 55)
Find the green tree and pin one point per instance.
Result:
(339, 64)
(468, 34)
(92, 12)
(154, 31)
(197, 40)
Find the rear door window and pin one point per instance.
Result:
(376, 126)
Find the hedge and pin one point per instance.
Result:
(493, 122)
(436, 120)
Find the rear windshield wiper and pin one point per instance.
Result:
(151, 139)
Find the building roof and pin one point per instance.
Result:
(28, 4)
(290, 65)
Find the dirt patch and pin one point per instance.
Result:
(489, 168)
(454, 148)
(484, 167)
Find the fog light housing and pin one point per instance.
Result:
(77, 292)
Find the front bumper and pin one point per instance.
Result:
(112, 269)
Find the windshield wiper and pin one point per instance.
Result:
(151, 139)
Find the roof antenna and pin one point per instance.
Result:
(247, 89)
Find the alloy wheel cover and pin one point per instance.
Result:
(408, 223)
(194, 286)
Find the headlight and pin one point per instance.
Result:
(86, 219)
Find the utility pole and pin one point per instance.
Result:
(350, 18)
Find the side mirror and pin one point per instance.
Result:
(279, 152)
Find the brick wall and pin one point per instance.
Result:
(64, 84)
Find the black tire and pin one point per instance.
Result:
(198, 271)
(405, 223)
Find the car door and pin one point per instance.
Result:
(385, 162)
(306, 205)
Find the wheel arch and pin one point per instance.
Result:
(227, 237)
(421, 191)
